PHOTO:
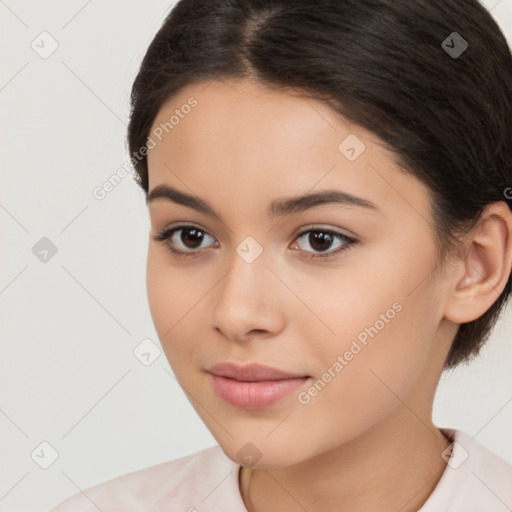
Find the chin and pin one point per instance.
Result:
(264, 454)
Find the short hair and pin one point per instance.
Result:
(430, 78)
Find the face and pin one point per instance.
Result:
(335, 293)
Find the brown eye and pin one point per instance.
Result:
(191, 237)
(182, 240)
(321, 240)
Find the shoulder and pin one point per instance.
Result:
(475, 478)
(188, 483)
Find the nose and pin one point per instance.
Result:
(247, 300)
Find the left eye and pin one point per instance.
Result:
(321, 240)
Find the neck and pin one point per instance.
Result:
(394, 466)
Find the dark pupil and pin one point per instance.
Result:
(324, 240)
(195, 236)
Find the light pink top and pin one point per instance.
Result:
(475, 480)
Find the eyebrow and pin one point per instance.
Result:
(278, 207)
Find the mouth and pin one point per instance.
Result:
(253, 386)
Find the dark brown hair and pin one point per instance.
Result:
(385, 65)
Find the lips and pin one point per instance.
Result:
(251, 372)
(253, 386)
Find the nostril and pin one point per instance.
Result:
(257, 331)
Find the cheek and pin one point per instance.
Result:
(171, 299)
(160, 291)
(383, 334)
(383, 301)
(371, 381)
(172, 290)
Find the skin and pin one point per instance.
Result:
(366, 441)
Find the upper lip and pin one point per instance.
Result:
(251, 372)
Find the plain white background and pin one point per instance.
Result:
(69, 325)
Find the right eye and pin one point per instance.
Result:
(191, 237)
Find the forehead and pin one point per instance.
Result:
(245, 112)
(237, 135)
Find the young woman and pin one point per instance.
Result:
(329, 187)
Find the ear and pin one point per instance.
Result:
(487, 265)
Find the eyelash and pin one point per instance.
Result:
(166, 234)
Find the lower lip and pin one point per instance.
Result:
(255, 395)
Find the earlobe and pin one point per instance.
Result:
(487, 266)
